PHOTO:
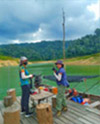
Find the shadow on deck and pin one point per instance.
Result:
(76, 114)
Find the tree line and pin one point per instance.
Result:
(51, 50)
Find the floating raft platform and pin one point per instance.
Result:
(76, 114)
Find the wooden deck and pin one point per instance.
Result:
(76, 114)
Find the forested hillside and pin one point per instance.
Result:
(49, 50)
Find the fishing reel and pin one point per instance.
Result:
(37, 83)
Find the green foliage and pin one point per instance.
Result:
(6, 57)
(87, 45)
(51, 50)
(97, 32)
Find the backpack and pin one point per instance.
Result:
(77, 99)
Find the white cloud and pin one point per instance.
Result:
(16, 41)
(95, 8)
(36, 34)
(35, 41)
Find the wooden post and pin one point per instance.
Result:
(12, 92)
(44, 114)
(54, 102)
(64, 43)
(63, 24)
(1, 119)
(85, 81)
(8, 101)
(12, 115)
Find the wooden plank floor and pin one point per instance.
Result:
(76, 114)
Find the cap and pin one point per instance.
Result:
(59, 62)
(23, 58)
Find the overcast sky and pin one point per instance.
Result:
(35, 20)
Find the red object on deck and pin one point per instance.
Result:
(34, 93)
(46, 89)
(83, 103)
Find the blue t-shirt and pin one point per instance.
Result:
(63, 81)
(24, 81)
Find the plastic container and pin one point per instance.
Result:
(55, 90)
(41, 88)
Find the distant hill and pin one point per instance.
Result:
(6, 61)
(52, 50)
(83, 60)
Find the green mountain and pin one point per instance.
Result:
(50, 50)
